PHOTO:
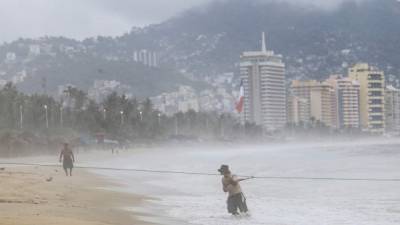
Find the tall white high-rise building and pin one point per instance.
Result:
(263, 76)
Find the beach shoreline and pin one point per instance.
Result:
(44, 195)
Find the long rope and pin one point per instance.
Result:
(213, 174)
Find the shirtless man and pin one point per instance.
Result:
(230, 184)
(68, 159)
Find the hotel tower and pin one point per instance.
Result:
(263, 76)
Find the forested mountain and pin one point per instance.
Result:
(207, 41)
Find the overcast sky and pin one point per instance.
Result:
(85, 18)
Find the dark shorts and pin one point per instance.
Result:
(68, 164)
(235, 202)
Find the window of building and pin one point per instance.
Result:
(374, 77)
(375, 101)
(375, 93)
(377, 126)
(376, 118)
(375, 85)
(376, 109)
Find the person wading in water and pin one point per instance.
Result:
(68, 159)
(230, 184)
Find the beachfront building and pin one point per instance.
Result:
(263, 76)
(298, 111)
(348, 99)
(348, 102)
(322, 100)
(372, 93)
(392, 109)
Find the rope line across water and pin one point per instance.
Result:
(211, 174)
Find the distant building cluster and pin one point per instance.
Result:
(359, 101)
(186, 98)
(147, 57)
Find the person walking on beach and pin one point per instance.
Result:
(230, 184)
(67, 158)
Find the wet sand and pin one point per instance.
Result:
(45, 196)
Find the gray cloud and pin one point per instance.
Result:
(326, 4)
(85, 18)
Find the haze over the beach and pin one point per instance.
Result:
(82, 19)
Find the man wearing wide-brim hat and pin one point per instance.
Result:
(230, 184)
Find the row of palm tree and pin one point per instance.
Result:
(117, 116)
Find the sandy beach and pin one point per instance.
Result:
(45, 196)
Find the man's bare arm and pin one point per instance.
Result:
(242, 179)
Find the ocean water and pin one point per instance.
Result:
(194, 199)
